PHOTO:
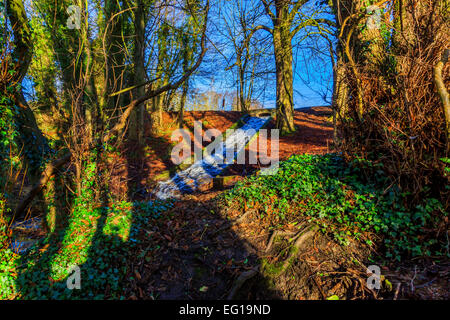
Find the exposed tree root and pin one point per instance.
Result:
(277, 233)
(297, 246)
(241, 280)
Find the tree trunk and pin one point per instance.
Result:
(442, 90)
(242, 101)
(340, 89)
(156, 113)
(90, 93)
(136, 131)
(284, 80)
(341, 9)
(115, 56)
(32, 139)
(348, 49)
(182, 104)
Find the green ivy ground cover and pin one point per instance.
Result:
(335, 195)
(345, 203)
(98, 240)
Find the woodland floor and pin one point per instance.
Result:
(145, 167)
(198, 257)
(199, 253)
(201, 250)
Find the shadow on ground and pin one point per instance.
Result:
(139, 250)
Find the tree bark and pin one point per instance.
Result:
(180, 118)
(116, 28)
(341, 10)
(442, 90)
(136, 131)
(22, 54)
(284, 79)
(242, 101)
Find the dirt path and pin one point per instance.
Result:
(201, 249)
(190, 258)
(140, 169)
(196, 252)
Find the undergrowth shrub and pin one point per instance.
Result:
(403, 124)
(97, 238)
(9, 161)
(344, 202)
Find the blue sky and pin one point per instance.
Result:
(312, 63)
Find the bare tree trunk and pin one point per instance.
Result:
(442, 90)
(284, 80)
(136, 131)
(182, 104)
(242, 101)
(238, 97)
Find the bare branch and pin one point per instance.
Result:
(171, 86)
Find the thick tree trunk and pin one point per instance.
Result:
(136, 131)
(32, 139)
(341, 11)
(350, 49)
(340, 95)
(284, 80)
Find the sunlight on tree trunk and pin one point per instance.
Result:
(284, 79)
(138, 115)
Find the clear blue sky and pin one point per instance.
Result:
(312, 63)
